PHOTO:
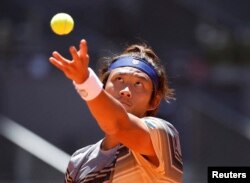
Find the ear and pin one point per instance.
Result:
(154, 103)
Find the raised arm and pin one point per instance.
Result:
(109, 113)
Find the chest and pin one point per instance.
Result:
(115, 168)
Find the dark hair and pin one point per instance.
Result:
(142, 51)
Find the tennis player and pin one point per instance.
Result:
(137, 147)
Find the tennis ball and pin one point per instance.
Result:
(62, 23)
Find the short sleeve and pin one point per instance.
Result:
(74, 165)
(87, 160)
(166, 143)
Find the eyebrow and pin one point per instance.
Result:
(120, 73)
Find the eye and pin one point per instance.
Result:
(138, 84)
(120, 79)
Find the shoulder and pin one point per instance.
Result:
(166, 142)
(80, 156)
(160, 124)
(85, 152)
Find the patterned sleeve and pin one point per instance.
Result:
(165, 139)
(68, 178)
(74, 164)
(72, 168)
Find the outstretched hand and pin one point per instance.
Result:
(77, 68)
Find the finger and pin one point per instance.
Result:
(57, 63)
(83, 48)
(74, 53)
(60, 58)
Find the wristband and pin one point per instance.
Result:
(90, 88)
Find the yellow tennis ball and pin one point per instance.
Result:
(62, 23)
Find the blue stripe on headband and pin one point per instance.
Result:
(137, 63)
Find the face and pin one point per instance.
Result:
(132, 87)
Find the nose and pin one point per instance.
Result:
(126, 92)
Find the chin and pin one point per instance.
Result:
(128, 109)
(131, 111)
